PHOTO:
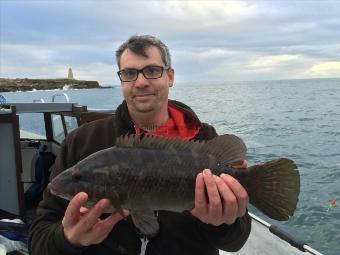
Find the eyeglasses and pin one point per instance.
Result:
(149, 72)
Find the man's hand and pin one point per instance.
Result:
(227, 199)
(83, 227)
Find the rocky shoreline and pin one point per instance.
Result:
(9, 85)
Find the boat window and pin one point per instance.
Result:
(57, 128)
(32, 126)
(71, 123)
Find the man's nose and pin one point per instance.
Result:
(141, 81)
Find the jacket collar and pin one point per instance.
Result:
(126, 125)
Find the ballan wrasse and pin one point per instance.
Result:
(149, 173)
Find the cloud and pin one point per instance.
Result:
(330, 68)
(209, 40)
(268, 62)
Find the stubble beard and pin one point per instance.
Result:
(144, 107)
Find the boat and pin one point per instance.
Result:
(25, 159)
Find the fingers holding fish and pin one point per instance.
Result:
(200, 196)
(83, 228)
(215, 206)
(102, 228)
(200, 209)
(77, 223)
(239, 192)
(208, 204)
(229, 201)
(73, 213)
(83, 210)
(219, 199)
(92, 217)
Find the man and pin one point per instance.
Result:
(219, 219)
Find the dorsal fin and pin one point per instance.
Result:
(157, 142)
(226, 149)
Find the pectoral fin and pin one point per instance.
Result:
(116, 203)
(146, 222)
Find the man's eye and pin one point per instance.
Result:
(152, 70)
(129, 72)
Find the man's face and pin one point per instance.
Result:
(146, 95)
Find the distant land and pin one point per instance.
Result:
(25, 84)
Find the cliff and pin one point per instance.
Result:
(7, 85)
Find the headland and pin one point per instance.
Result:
(25, 84)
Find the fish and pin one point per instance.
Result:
(150, 173)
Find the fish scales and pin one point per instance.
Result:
(158, 173)
(165, 181)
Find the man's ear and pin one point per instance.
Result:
(171, 75)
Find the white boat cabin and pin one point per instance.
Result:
(25, 156)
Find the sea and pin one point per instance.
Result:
(296, 119)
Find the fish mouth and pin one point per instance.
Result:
(57, 191)
(53, 189)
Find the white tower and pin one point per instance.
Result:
(70, 74)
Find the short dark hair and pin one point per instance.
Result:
(138, 45)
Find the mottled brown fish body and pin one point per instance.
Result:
(139, 178)
(160, 180)
(157, 173)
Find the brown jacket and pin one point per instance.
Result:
(180, 233)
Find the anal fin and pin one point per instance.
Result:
(146, 222)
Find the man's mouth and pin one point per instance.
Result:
(143, 97)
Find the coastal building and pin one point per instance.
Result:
(70, 74)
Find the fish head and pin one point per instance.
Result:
(97, 181)
(69, 183)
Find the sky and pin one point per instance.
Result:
(209, 41)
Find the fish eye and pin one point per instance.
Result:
(76, 175)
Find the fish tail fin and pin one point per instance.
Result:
(274, 188)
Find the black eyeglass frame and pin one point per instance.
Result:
(142, 71)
